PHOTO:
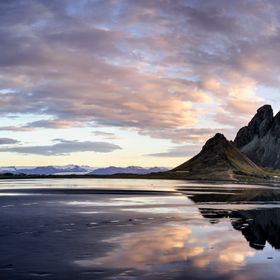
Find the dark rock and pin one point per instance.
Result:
(258, 126)
(260, 140)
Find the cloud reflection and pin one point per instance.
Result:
(170, 245)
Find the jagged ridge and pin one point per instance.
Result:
(260, 139)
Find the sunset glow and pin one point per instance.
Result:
(131, 82)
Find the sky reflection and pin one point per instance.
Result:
(190, 246)
(210, 241)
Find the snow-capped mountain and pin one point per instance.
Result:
(79, 170)
(48, 170)
(126, 170)
(8, 169)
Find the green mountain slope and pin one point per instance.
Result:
(219, 158)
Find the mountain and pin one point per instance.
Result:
(79, 170)
(219, 159)
(260, 139)
(8, 169)
(47, 170)
(126, 170)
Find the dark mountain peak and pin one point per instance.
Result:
(260, 140)
(217, 144)
(264, 113)
(275, 129)
(265, 110)
(257, 127)
(262, 120)
(276, 120)
(218, 139)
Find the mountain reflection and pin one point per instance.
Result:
(258, 226)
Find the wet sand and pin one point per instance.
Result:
(157, 230)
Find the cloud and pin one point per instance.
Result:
(158, 247)
(106, 135)
(168, 247)
(7, 141)
(181, 151)
(15, 128)
(154, 66)
(64, 147)
(56, 124)
(189, 135)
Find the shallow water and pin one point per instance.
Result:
(99, 229)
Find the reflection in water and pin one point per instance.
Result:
(212, 248)
(145, 249)
(258, 226)
(204, 232)
(185, 245)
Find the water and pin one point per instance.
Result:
(99, 229)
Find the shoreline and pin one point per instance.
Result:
(156, 176)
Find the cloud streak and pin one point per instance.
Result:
(184, 151)
(8, 141)
(64, 147)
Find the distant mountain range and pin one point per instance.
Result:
(127, 170)
(47, 170)
(80, 170)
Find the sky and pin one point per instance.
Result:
(131, 82)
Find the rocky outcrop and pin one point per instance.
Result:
(258, 126)
(260, 139)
